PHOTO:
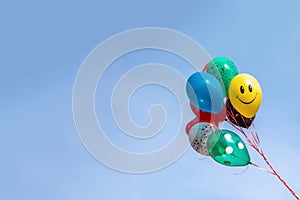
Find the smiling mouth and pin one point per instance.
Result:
(244, 102)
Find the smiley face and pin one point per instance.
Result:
(245, 94)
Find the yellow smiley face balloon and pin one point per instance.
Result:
(245, 94)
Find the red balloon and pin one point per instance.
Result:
(190, 125)
(208, 117)
(205, 67)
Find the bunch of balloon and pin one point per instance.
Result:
(217, 94)
(207, 92)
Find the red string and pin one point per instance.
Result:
(279, 177)
(259, 167)
(254, 143)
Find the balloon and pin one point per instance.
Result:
(205, 67)
(205, 92)
(224, 70)
(245, 94)
(198, 136)
(191, 124)
(227, 148)
(214, 118)
(236, 118)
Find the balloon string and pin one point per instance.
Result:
(242, 131)
(259, 167)
(256, 134)
(254, 144)
(242, 171)
(251, 142)
(278, 176)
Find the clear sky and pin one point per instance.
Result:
(42, 46)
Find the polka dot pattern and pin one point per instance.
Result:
(224, 70)
(198, 136)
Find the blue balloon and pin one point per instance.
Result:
(205, 92)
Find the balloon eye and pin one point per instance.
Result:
(242, 89)
(250, 88)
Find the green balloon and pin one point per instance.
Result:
(227, 148)
(224, 70)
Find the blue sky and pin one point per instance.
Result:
(42, 47)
